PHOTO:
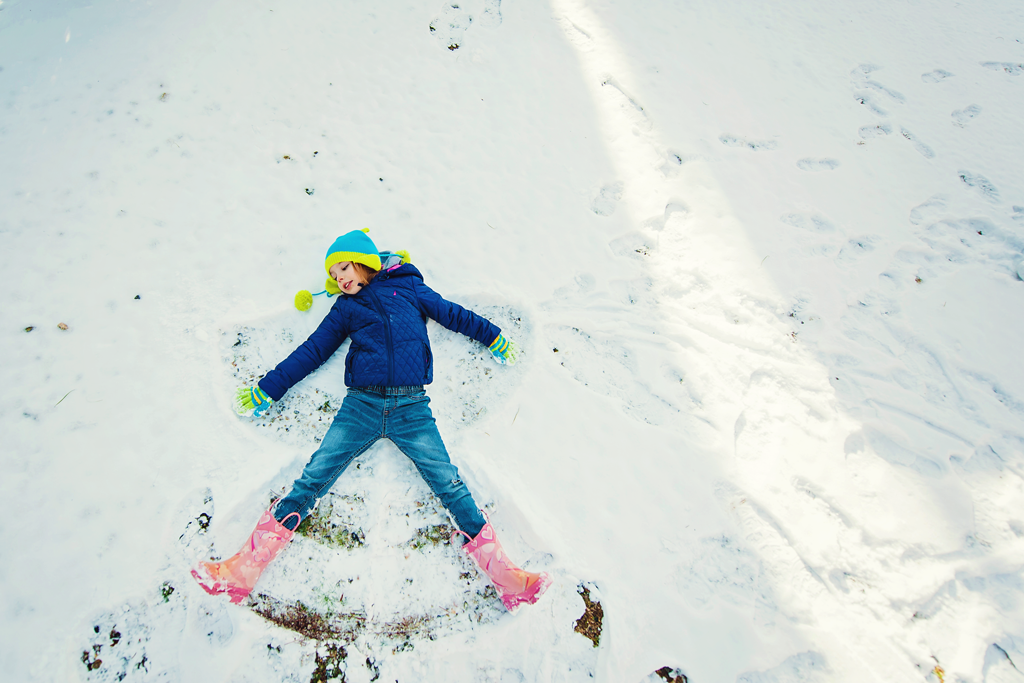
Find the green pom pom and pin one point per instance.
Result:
(303, 300)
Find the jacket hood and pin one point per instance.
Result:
(402, 270)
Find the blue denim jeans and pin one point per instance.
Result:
(401, 414)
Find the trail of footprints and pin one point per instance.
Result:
(951, 230)
(879, 99)
(876, 98)
(944, 242)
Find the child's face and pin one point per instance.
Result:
(349, 280)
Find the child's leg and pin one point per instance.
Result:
(411, 427)
(358, 424)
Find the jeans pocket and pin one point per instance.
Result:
(419, 397)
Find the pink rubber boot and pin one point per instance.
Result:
(515, 586)
(238, 574)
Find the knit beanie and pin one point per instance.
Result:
(355, 246)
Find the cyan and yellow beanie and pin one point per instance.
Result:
(355, 246)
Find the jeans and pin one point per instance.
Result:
(403, 415)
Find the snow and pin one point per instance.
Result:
(764, 263)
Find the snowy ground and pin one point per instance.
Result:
(765, 264)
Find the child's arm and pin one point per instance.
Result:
(455, 317)
(313, 353)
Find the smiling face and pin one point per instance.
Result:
(350, 279)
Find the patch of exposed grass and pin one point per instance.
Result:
(671, 675)
(589, 625)
(320, 527)
(408, 627)
(341, 627)
(431, 536)
(329, 666)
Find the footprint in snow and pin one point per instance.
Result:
(673, 210)
(961, 117)
(1008, 67)
(936, 76)
(857, 247)
(451, 24)
(862, 71)
(808, 221)
(628, 104)
(817, 164)
(754, 145)
(829, 237)
(980, 183)
(923, 149)
(579, 38)
(1018, 213)
(896, 454)
(877, 87)
(928, 210)
(998, 666)
(879, 130)
(634, 245)
(673, 162)
(868, 91)
(193, 518)
(606, 199)
(870, 102)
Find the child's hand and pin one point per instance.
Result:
(504, 351)
(252, 401)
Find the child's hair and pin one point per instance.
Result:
(364, 270)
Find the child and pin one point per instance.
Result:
(384, 311)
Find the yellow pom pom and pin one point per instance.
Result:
(303, 300)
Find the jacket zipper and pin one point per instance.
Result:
(387, 335)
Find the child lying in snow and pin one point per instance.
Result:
(384, 311)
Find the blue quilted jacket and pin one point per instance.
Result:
(387, 321)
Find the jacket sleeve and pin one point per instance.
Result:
(313, 353)
(454, 316)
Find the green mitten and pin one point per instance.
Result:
(252, 401)
(504, 351)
